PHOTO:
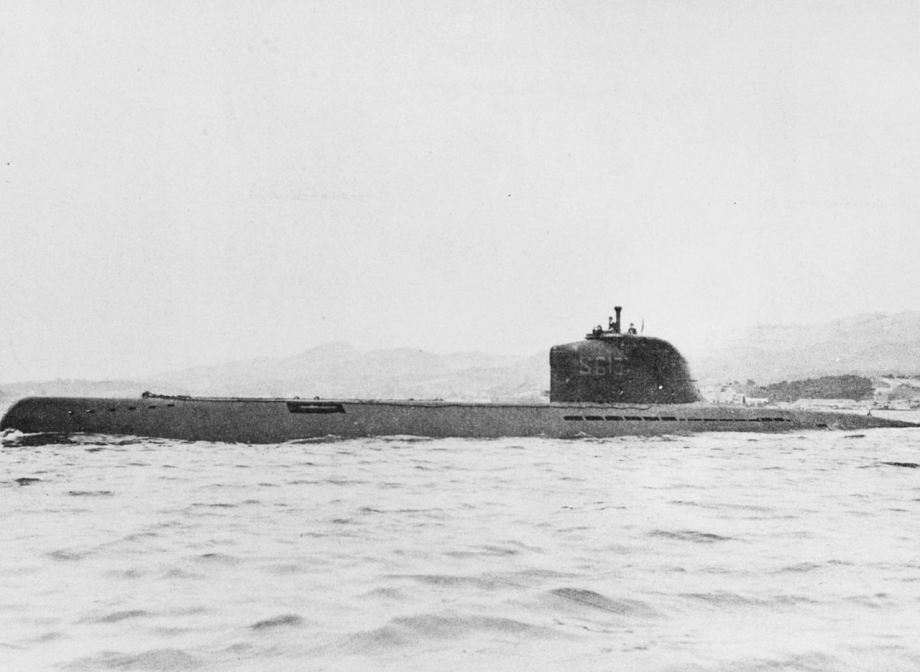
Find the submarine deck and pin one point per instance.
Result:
(275, 420)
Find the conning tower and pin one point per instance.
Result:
(612, 367)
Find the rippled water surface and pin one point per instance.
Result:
(710, 552)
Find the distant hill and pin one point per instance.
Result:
(865, 345)
(334, 370)
(852, 387)
(338, 370)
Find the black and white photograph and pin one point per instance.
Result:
(460, 335)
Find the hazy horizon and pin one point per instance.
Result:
(187, 184)
(707, 348)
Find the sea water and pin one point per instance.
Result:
(723, 551)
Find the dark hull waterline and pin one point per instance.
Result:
(252, 420)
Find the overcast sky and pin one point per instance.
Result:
(194, 182)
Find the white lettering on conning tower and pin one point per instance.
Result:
(611, 365)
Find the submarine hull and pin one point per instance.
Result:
(253, 420)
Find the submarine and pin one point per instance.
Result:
(611, 383)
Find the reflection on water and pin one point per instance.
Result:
(710, 552)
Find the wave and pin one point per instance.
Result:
(286, 620)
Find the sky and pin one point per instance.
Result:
(193, 183)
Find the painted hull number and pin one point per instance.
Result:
(611, 365)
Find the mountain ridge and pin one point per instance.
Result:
(872, 344)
